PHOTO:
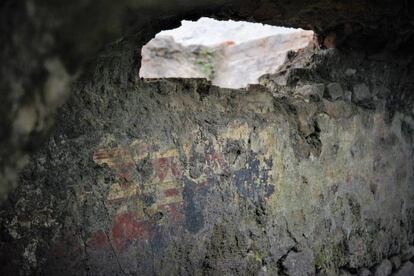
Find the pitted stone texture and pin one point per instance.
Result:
(72, 32)
(334, 91)
(406, 270)
(408, 253)
(180, 177)
(361, 93)
(364, 272)
(311, 92)
(383, 269)
(396, 262)
(300, 263)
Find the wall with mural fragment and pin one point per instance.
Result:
(310, 172)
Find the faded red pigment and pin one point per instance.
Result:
(127, 228)
(130, 226)
(163, 165)
(171, 192)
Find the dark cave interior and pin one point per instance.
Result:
(307, 172)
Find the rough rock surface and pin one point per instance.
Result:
(406, 270)
(243, 64)
(384, 268)
(38, 37)
(228, 60)
(180, 177)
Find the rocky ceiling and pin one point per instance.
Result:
(82, 26)
(45, 44)
(308, 173)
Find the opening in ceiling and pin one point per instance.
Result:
(231, 54)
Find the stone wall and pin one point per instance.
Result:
(46, 45)
(310, 172)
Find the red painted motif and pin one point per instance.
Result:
(171, 192)
(119, 159)
(128, 228)
(132, 226)
(215, 161)
(164, 165)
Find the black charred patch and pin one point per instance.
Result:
(252, 179)
(193, 208)
(407, 132)
(148, 199)
(144, 168)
